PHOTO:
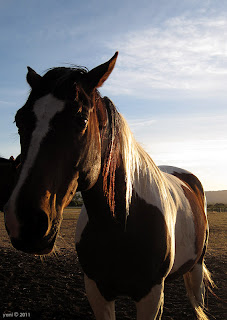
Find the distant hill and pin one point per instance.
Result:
(216, 197)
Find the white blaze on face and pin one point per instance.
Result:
(44, 109)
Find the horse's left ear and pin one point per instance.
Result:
(97, 76)
(33, 78)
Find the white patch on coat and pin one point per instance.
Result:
(44, 109)
(81, 223)
(194, 279)
(184, 229)
(103, 309)
(152, 304)
(176, 211)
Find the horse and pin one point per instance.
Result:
(141, 224)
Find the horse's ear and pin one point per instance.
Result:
(97, 76)
(33, 78)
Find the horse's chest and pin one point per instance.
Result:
(124, 262)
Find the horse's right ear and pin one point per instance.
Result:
(33, 78)
(97, 76)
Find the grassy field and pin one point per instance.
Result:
(218, 233)
(52, 288)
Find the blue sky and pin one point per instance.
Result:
(169, 82)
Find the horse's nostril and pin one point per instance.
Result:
(41, 219)
(37, 224)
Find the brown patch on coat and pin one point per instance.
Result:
(194, 183)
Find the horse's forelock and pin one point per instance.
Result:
(61, 74)
(62, 80)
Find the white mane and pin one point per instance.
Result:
(141, 172)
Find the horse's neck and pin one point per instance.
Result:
(129, 172)
(97, 201)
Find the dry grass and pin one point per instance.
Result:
(53, 288)
(218, 233)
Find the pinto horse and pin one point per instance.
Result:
(140, 225)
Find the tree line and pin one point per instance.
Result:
(77, 201)
(217, 207)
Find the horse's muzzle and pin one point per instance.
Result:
(33, 232)
(41, 247)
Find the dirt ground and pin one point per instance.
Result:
(52, 287)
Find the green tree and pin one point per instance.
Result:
(77, 200)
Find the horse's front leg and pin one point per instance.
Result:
(151, 306)
(103, 309)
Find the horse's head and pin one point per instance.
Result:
(59, 127)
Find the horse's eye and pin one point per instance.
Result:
(81, 121)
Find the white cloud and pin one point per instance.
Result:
(182, 54)
(196, 143)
